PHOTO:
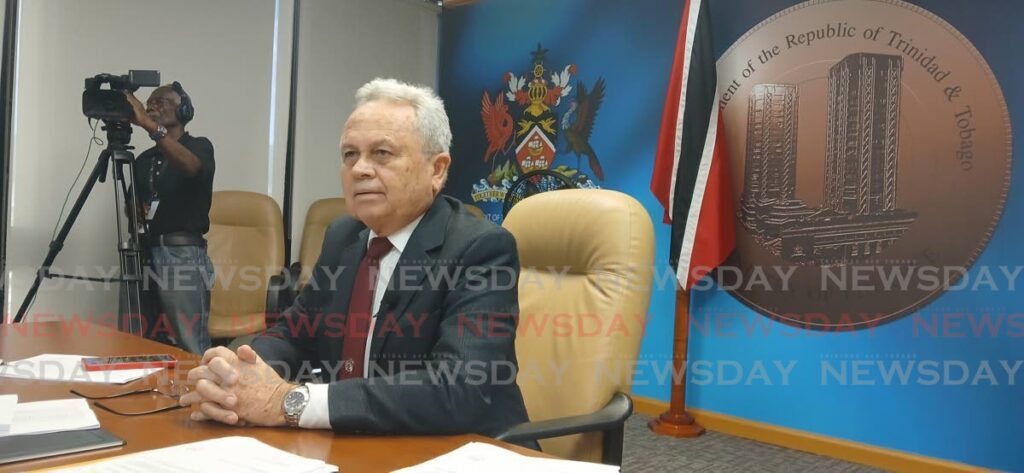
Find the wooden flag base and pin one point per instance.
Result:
(675, 422)
(679, 425)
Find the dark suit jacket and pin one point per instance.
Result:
(443, 349)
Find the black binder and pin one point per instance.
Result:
(29, 447)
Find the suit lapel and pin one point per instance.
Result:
(408, 278)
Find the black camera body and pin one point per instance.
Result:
(110, 104)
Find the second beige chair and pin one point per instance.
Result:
(585, 284)
(475, 211)
(246, 245)
(319, 216)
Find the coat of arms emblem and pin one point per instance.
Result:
(539, 117)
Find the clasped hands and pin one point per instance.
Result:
(236, 389)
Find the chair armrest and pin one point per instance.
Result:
(281, 291)
(294, 270)
(610, 417)
(293, 275)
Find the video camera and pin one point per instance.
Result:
(110, 105)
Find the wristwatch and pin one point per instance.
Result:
(161, 131)
(294, 403)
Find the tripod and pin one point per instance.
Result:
(128, 243)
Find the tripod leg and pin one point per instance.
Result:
(58, 243)
(130, 309)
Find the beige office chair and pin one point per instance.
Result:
(606, 240)
(246, 245)
(319, 216)
(475, 210)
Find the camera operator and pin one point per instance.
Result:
(174, 182)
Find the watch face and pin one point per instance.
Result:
(293, 401)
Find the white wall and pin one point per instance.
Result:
(222, 51)
(342, 45)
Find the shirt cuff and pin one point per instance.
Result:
(316, 415)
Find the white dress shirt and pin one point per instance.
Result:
(316, 415)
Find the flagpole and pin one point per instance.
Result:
(676, 422)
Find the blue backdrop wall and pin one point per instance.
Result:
(943, 381)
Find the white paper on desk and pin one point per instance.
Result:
(67, 368)
(478, 456)
(7, 404)
(217, 455)
(43, 417)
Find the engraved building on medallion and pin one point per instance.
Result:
(769, 199)
(863, 134)
(858, 217)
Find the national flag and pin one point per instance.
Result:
(691, 178)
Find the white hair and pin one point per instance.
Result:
(431, 119)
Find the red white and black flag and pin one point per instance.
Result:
(691, 178)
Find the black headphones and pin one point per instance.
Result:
(185, 111)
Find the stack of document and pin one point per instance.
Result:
(67, 368)
(217, 455)
(43, 417)
(7, 405)
(477, 456)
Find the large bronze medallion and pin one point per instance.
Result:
(870, 150)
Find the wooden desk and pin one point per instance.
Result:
(350, 453)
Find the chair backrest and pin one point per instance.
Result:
(319, 216)
(246, 245)
(584, 288)
(475, 210)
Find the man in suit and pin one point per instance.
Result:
(411, 311)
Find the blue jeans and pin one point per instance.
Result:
(180, 282)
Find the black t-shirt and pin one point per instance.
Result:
(184, 200)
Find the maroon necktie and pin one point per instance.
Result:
(360, 307)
